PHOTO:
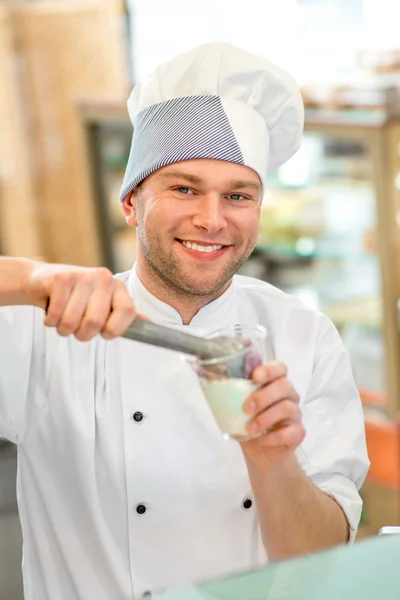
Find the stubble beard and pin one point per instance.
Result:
(174, 279)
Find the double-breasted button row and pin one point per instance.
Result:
(247, 504)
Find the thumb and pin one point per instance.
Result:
(142, 316)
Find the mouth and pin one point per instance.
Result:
(201, 246)
(202, 250)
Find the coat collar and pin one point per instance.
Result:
(214, 313)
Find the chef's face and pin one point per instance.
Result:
(197, 223)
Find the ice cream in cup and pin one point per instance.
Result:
(227, 381)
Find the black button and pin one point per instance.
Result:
(147, 595)
(247, 503)
(141, 509)
(138, 416)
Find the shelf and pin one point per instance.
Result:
(103, 107)
(284, 252)
(302, 249)
(366, 312)
(347, 116)
(315, 188)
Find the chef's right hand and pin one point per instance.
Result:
(82, 301)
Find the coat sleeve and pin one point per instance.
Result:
(334, 453)
(21, 342)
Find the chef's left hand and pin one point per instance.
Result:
(275, 410)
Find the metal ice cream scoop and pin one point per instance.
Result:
(148, 332)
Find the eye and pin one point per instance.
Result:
(184, 190)
(237, 197)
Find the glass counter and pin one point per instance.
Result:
(366, 571)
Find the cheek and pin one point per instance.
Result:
(248, 225)
(155, 213)
(165, 213)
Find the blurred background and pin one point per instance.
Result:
(329, 229)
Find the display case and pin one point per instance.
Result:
(108, 134)
(329, 234)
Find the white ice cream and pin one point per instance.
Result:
(226, 398)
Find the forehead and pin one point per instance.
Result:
(209, 172)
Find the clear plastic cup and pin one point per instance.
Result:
(227, 381)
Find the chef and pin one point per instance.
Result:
(125, 484)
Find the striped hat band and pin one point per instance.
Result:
(187, 128)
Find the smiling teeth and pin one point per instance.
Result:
(194, 246)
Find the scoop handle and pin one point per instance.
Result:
(148, 332)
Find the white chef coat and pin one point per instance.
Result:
(113, 505)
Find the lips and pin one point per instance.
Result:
(203, 242)
(201, 246)
(202, 251)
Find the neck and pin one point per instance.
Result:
(186, 305)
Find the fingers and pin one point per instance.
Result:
(269, 394)
(86, 302)
(74, 311)
(285, 411)
(275, 407)
(58, 299)
(268, 372)
(122, 315)
(94, 314)
(289, 436)
(276, 421)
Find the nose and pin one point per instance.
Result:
(209, 214)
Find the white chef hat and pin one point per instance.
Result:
(215, 101)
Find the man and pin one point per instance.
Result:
(125, 484)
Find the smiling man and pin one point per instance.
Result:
(196, 225)
(125, 483)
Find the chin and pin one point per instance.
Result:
(203, 286)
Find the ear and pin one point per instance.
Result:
(129, 208)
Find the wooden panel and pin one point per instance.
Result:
(18, 217)
(71, 48)
(388, 250)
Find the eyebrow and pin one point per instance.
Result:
(245, 183)
(181, 175)
(236, 184)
